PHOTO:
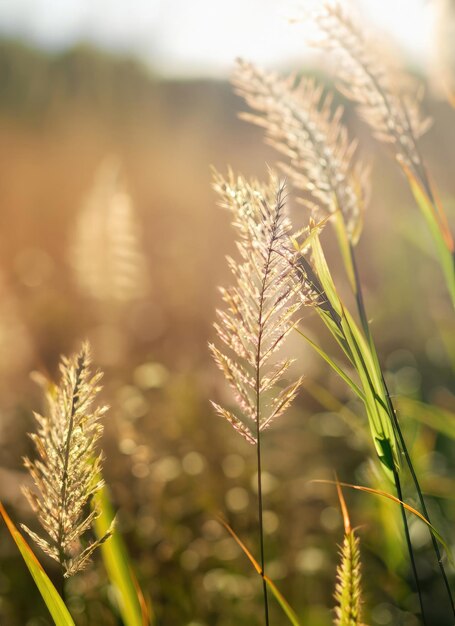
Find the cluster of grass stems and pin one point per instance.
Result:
(280, 272)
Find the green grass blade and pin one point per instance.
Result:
(52, 599)
(323, 273)
(381, 425)
(345, 249)
(314, 231)
(287, 609)
(338, 334)
(133, 609)
(347, 379)
(365, 361)
(441, 420)
(436, 222)
(331, 403)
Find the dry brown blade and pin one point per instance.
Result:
(242, 546)
(288, 610)
(379, 492)
(344, 508)
(146, 609)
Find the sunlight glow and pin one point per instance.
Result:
(201, 37)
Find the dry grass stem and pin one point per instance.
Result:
(67, 471)
(300, 123)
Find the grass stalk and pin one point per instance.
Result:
(393, 415)
(409, 544)
(261, 527)
(374, 389)
(403, 512)
(421, 499)
(258, 318)
(258, 420)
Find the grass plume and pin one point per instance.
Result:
(259, 315)
(67, 472)
(393, 114)
(106, 254)
(299, 122)
(260, 306)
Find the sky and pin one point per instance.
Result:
(199, 37)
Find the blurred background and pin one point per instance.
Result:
(110, 117)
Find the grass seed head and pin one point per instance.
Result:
(67, 470)
(106, 253)
(301, 124)
(383, 96)
(260, 307)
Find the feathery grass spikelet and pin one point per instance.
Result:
(260, 306)
(106, 253)
(299, 123)
(68, 469)
(348, 591)
(393, 115)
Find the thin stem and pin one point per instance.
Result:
(399, 432)
(420, 496)
(409, 543)
(261, 528)
(258, 408)
(400, 497)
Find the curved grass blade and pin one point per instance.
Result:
(381, 425)
(365, 362)
(284, 604)
(133, 607)
(288, 610)
(437, 418)
(315, 229)
(347, 379)
(437, 223)
(52, 599)
(331, 403)
(408, 507)
(344, 245)
(324, 275)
